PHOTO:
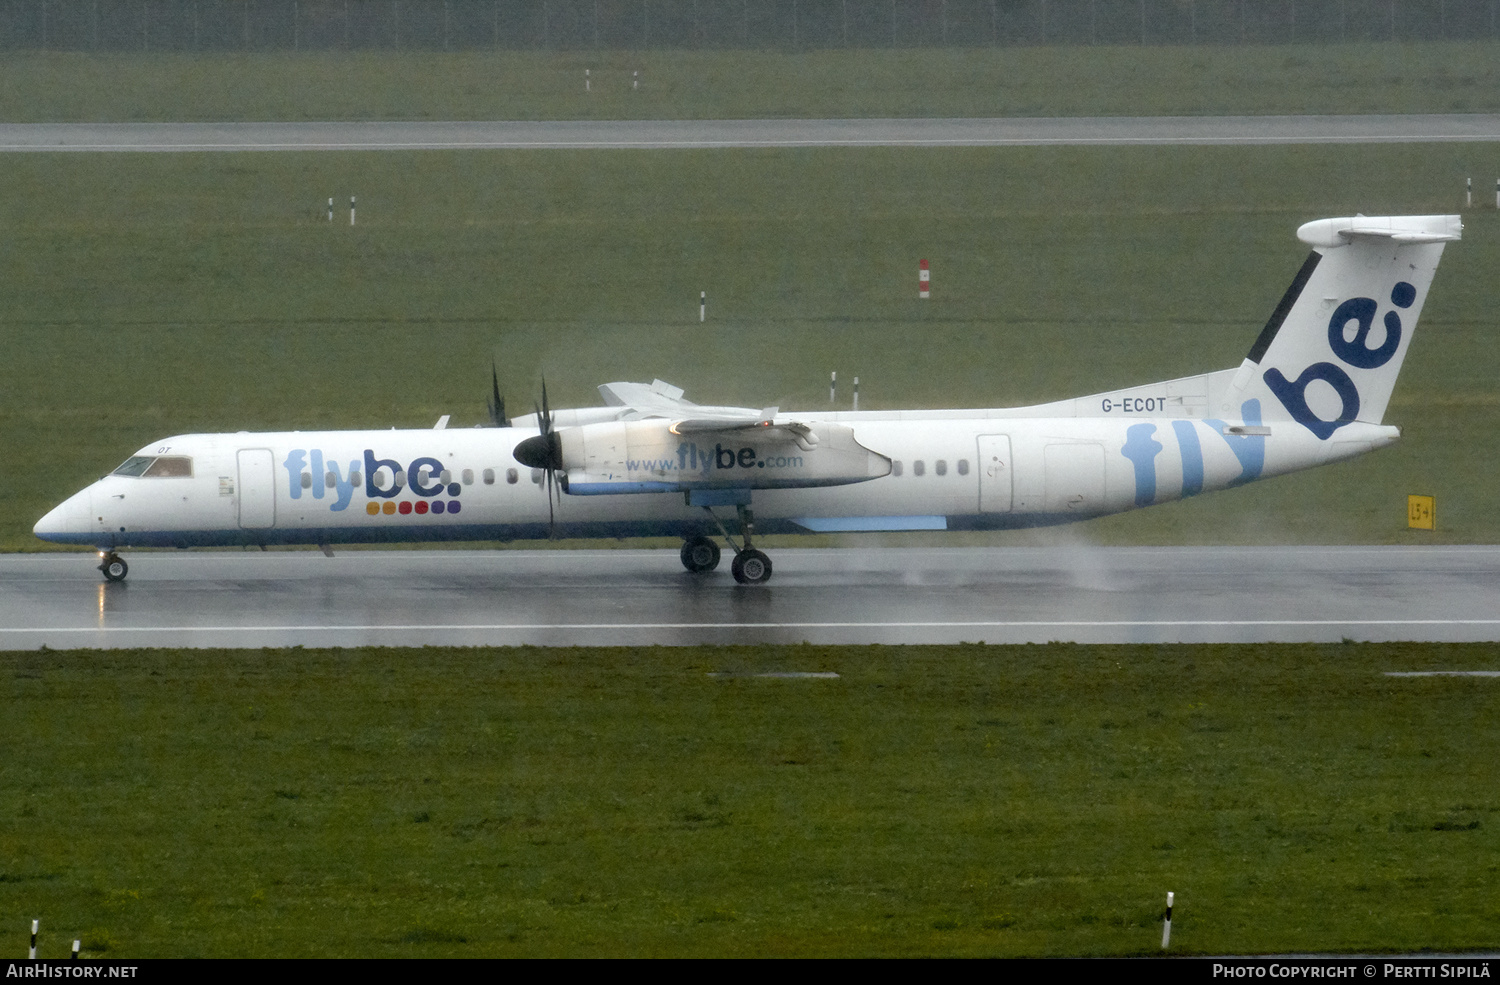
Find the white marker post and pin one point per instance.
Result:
(635, 80)
(1166, 927)
(32, 953)
(586, 85)
(856, 393)
(702, 306)
(924, 280)
(351, 210)
(1468, 192)
(330, 210)
(75, 949)
(833, 384)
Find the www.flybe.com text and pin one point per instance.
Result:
(691, 458)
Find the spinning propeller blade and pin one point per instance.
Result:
(544, 452)
(497, 402)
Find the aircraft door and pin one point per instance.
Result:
(995, 468)
(1074, 478)
(257, 489)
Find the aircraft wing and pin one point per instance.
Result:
(661, 399)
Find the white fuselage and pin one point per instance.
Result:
(989, 470)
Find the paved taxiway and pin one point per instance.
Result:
(661, 134)
(855, 595)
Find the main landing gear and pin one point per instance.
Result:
(749, 567)
(700, 555)
(113, 566)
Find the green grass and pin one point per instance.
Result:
(932, 800)
(1448, 77)
(148, 295)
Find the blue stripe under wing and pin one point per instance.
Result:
(854, 524)
(620, 488)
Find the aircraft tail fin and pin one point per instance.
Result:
(1332, 349)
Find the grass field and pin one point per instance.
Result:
(931, 800)
(1446, 77)
(147, 295)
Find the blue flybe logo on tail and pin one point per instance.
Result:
(1355, 352)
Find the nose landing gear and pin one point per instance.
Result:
(113, 566)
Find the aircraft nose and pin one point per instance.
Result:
(50, 524)
(68, 522)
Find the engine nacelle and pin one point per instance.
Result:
(649, 456)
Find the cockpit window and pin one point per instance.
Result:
(170, 466)
(155, 467)
(134, 466)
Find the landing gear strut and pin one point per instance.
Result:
(749, 567)
(113, 566)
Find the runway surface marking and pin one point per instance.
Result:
(1442, 673)
(1018, 624)
(719, 134)
(780, 674)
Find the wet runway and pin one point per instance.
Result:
(855, 595)
(683, 134)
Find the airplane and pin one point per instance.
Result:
(1313, 390)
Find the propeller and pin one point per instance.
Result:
(497, 402)
(544, 451)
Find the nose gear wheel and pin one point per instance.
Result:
(114, 567)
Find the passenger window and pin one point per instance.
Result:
(331, 480)
(941, 466)
(134, 466)
(917, 468)
(896, 467)
(536, 476)
(963, 466)
(170, 467)
(306, 480)
(468, 477)
(489, 477)
(446, 477)
(400, 477)
(511, 475)
(354, 478)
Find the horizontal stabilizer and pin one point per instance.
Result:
(1331, 233)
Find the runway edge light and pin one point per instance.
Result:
(1421, 513)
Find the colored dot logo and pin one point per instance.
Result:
(419, 508)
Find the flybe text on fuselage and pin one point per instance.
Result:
(311, 471)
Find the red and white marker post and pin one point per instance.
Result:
(924, 280)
